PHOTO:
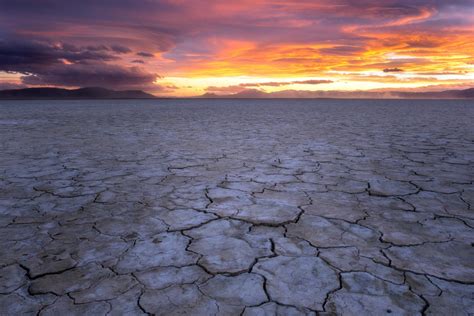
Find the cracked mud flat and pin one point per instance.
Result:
(237, 207)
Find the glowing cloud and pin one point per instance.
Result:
(221, 46)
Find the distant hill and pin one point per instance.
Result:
(304, 94)
(82, 93)
(447, 94)
(244, 94)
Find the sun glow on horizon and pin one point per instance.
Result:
(175, 48)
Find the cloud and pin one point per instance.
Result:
(225, 90)
(102, 75)
(422, 43)
(392, 70)
(171, 87)
(62, 64)
(145, 54)
(284, 83)
(31, 56)
(120, 49)
(343, 50)
(244, 86)
(263, 84)
(259, 38)
(312, 82)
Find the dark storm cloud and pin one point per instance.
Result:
(102, 75)
(30, 56)
(44, 63)
(138, 61)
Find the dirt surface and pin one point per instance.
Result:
(236, 207)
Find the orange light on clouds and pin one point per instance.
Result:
(190, 46)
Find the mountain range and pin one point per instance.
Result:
(258, 94)
(102, 93)
(82, 93)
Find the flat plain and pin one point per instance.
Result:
(237, 207)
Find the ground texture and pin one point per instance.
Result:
(229, 208)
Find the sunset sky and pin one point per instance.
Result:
(186, 48)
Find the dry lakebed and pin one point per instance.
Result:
(237, 207)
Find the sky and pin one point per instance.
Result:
(187, 48)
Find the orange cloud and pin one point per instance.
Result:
(195, 45)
